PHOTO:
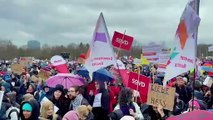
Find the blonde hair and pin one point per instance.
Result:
(83, 111)
(45, 107)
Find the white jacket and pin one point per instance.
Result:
(13, 114)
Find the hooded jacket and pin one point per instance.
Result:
(35, 110)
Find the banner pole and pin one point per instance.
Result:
(118, 55)
(195, 6)
(121, 43)
(137, 84)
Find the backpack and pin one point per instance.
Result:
(11, 110)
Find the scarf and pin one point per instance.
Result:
(76, 102)
(125, 108)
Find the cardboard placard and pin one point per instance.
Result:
(161, 95)
(34, 78)
(17, 68)
(43, 74)
(26, 60)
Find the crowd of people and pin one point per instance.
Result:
(23, 98)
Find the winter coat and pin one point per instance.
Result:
(62, 104)
(185, 93)
(101, 113)
(35, 110)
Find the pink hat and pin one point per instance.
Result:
(71, 115)
(196, 104)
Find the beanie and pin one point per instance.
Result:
(27, 107)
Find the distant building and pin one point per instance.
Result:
(4, 43)
(33, 44)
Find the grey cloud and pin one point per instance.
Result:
(67, 21)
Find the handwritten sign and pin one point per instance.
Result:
(161, 95)
(43, 74)
(17, 68)
(26, 60)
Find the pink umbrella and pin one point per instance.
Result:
(66, 79)
(194, 115)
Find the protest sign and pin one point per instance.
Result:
(1, 97)
(43, 74)
(46, 99)
(26, 60)
(161, 95)
(122, 41)
(139, 83)
(208, 81)
(17, 68)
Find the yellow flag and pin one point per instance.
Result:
(144, 61)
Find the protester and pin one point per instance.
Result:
(157, 113)
(47, 111)
(59, 100)
(185, 92)
(101, 102)
(45, 92)
(29, 110)
(81, 113)
(127, 106)
(76, 98)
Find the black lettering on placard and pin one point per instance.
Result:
(160, 89)
(152, 100)
(156, 101)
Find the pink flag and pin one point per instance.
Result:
(59, 64)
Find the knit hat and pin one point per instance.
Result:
(71, 115)
(33, 86)
(6, 86)
(27, 107)
(60, 88)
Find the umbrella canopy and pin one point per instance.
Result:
(208, 64)
(102, 75)
(67, 80)
(194, 115)
(83, 72)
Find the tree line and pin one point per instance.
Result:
(11, 51)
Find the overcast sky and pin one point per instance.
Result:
(60, 22)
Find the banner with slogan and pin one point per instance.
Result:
(183, 59)
(159, 95)
(139, 83)
(151, 52)
(43, 74)
(210, 49)
(26, 60)
(18, 68)
(122, 41)
(164, 57)
(101, 53)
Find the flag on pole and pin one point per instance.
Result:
(183, 59)
(144, 61)
(101, 53)
(59, 64)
